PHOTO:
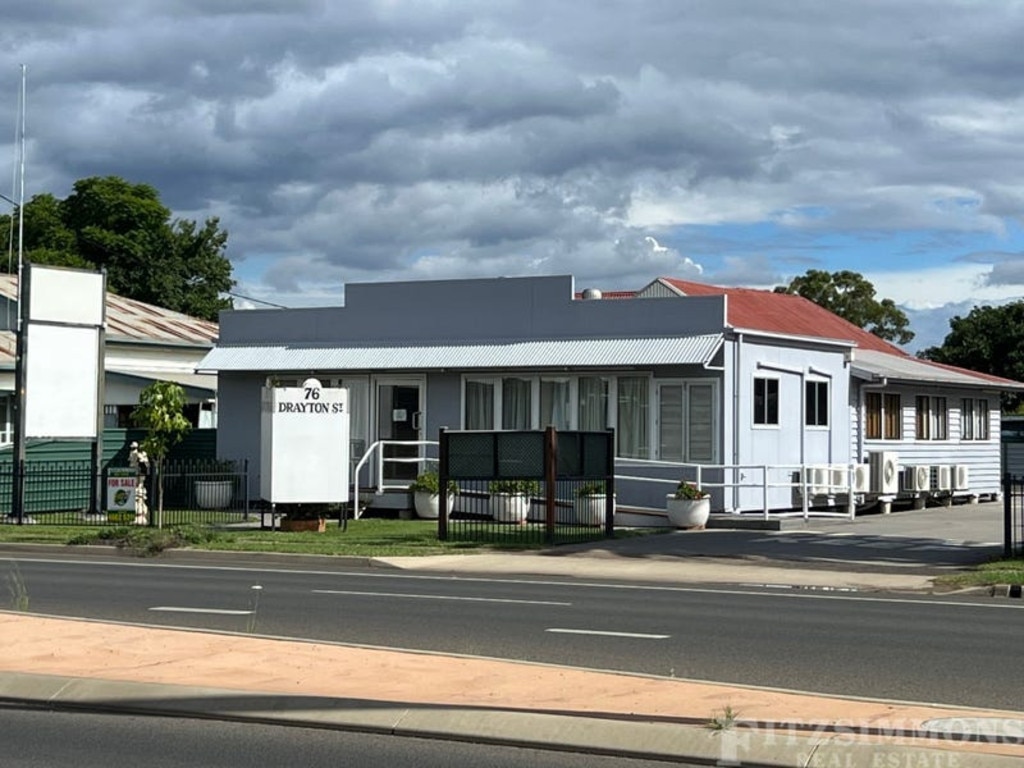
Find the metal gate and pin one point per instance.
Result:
(522, 488)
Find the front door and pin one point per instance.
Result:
(400, 417)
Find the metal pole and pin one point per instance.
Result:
(609, 504)
(96, 504)
(550, 480)
(18, 489)
(1007, 516)
(442, 477)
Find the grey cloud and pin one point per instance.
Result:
(364, 139)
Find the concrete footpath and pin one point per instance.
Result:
(64, 663)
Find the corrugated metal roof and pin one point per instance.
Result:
(759, 310)
(138, 321)
(873, 364)
(558, 353)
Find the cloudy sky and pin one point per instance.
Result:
(734, 142)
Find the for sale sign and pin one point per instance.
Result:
(121, 493)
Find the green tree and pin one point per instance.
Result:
(160, 412)
(852, 297)
(107, 222)
(988, 340)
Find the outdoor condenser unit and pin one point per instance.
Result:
(917, 478)
(942, 478)
(961, 477)
(861, 478)
(884, 472)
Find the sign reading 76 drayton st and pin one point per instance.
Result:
(304, 444)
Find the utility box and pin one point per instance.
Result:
(304, 444)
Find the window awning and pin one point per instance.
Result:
(203, 383)
(558, 353)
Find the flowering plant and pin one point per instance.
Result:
(688, 490)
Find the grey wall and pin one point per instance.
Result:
(463, 310)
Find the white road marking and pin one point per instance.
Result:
(182, 609)
(436, 597)
(603, 633)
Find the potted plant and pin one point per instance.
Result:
(426, 494)
(589, 506)
(217, 487)
(689, 506)
(303, 517)
(510, 499)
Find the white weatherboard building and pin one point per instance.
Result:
(767, 393)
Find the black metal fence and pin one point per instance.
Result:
(201, 491)
(1013, 515)
(520, 488)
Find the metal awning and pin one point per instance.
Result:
(197, 381)
(872, 365)
(557, 353)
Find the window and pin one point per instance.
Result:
(479, 405)
(816, 403)
(555, 403)
(883, 416)
(932, 418)
(974, 420)
(631, 428)
(516, 407)
(593, 404)
(686, 421)
(766, 401)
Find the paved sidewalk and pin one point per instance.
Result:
(76, 663)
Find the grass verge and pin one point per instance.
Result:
(995, 572)
(364, 538)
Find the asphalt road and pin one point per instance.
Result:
(956, 651)
(34, 738)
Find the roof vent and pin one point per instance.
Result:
(592, 293)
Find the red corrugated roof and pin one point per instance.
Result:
(761, 310)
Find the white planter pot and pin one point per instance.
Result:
(688, 513)
(589, 510)
(509, 508)
(214, 494)
(428, 505)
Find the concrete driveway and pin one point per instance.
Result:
(927, 541)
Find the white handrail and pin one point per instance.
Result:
(378, 448)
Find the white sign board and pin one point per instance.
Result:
(61, 381)
(304, 448)
(72, 296)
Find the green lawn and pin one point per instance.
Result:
(365, 538)
(995, 572)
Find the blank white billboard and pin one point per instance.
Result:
(65, 296)
(61, 381)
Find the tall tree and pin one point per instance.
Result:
(852, 297)
(989, 340)
(107, 222)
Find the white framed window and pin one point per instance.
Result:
(686, 424)
(816, 403)
(766, 401)
(932, 418)
(556, 398)
(593, 403)
(974, 419)
(633, 417)
(479, 404)
(883, 416)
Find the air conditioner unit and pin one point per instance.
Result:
(917, 478)
(942, 478)
(961, 477)
(861, 478)
(884, 472)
